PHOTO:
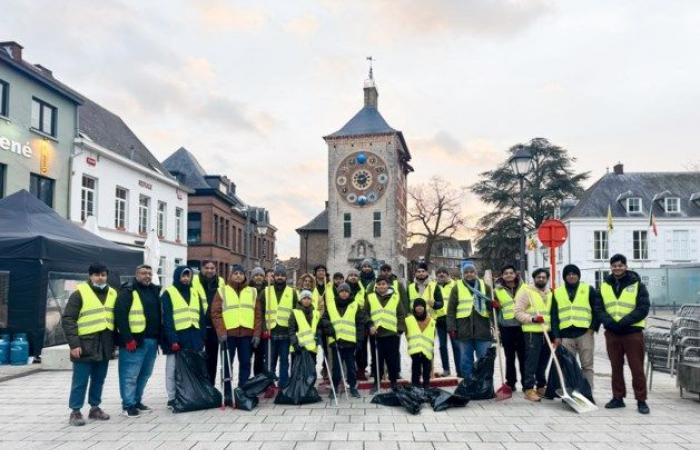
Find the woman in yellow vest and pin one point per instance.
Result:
(304, 326)
(183, 323)
(420, 335)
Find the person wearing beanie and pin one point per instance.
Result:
(507, 288)
(386, 271)
(420, 336)
(346, 322)
(206, 283)
(469, 319)
(367, 276)
(303, 331)
(357, 293)
(441, 295)
(184, 323)
(322, 292)
(280, 300)
(533, 307)
(261, 353)
(573, 321)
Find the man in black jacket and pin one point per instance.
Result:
(622, 308)
(137, 317)
(206, 283)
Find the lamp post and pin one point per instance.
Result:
(521, 164)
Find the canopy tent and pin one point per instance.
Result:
(44, 256)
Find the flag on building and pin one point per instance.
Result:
(610, 219)
(652, 222)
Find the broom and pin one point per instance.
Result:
(504, 392)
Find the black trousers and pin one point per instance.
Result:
(361, 354)
(420, 365)
(211, 347)
(260, 358)
(514, 346)
(347, 357)
(388, 348)
(536, 362)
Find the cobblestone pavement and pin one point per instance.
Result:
(34, 414)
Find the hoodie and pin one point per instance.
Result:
(191, 338)
(400, 314)
(367, 278)
(640, 312)
(293, 327)
(217, 318)
(573, 332)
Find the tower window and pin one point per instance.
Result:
(347, 225)
(377, 223)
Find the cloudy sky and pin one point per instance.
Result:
(251, 87)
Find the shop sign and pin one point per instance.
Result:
(13, 146)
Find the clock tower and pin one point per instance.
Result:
(368, 165)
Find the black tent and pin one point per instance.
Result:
(44, 256)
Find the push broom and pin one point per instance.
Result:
(504, 392)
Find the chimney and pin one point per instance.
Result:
(13, 48)
(44, 70)
(618, 169)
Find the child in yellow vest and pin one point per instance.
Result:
(420, 334)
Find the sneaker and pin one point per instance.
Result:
(531, 394)
(143, 408)
(642, 407)
(97, 414)
(541, 391)
(354, 393)
(76, 419)
(132, 413)
(615, 403)
(171, 404)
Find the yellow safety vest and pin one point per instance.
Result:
(427, 293)
(306, 334)
(316, 295)
(625, 304)
(465, 300)
(344, 325)
(420, 341)
(95, 316)
(538, 306)
(507, 302)
(199, 288)
(577, 313)
(384, 316)
(445, 290)
(278, 312)
(137, 319)
(238, 310)
(184, 315)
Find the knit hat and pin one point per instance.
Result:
(257, 271)
(468, 265)
(304, 293)
(385, 267)
(344, 287)
(366, 262)
(442, 269)
(237, 268)
(338, 276)
(422, 265)
(280, 270)
(571, 268)
(353, 272)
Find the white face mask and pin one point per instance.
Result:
(100, 286)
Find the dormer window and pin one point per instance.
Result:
(672, 205)
(634, 205)
(223, 188)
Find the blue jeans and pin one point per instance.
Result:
(466, 354)
(243, 346)
(135, 369)
(95, 373)
(280, 349)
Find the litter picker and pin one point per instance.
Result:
(225, 364)
(342, 372)
(335, 394)
(504, 392)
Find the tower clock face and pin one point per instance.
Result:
(361, 178)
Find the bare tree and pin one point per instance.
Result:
(435, 212)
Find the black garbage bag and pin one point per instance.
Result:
(193, 390)
(480, 386)
(440, 399)
(386, 399)
(573, 376)
(243, 401)
(410, 398)
(301, 389)
(258, 384)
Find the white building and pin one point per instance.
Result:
(116, 179)
(674, 198)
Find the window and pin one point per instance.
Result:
(681, 244)
(673, 205)
(161, 270)
(121, 196)
(88, 195)
(600, 245)
(4, 98)
(228, 234)
(43, 117)
(3, 168)
(144, 209)
(640, 245)
(222, 232)
(194, 228)
(178, 225)
(600, 277)
(240, 240)
(162, 216)
(377, 224)
(216, 229)
(634, 205)
(42, 188)
(347, 225)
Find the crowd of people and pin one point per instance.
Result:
(356, 319)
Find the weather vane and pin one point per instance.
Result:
(370, 59)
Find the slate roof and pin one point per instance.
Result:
(606, 191)
(318, 223)
(367, 121)
(189, 171)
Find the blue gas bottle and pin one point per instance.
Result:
(19, 350)
(4, 349)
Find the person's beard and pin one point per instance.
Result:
(540, 285)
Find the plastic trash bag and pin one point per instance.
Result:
(440, 399)
(573, 376)
(301, 389)
(193, 390)
(386, 399)
(410, 398)
(244, 401)
(246, 395)
(480, 386)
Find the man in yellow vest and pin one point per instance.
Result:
(357, 293)
(88, 324)
(421, 287)
(261, 354)
(137, 318)
(573, 321)
(623, 308)
(206, 283)
(533, 308)
(280, 301)
(441, 296)
(183, 323)
(237, 317)
(420, 335)
(506, 290)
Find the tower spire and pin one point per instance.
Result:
(370, 89)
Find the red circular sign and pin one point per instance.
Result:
(552, 233)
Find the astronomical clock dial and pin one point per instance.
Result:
(361, 178)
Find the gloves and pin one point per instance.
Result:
(453, 334)
(538, 319)
(255, 341)
(221, 339)
(175, 347)
(496, 305)
(131, 346)
(265, 335)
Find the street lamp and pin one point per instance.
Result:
(521, 164)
